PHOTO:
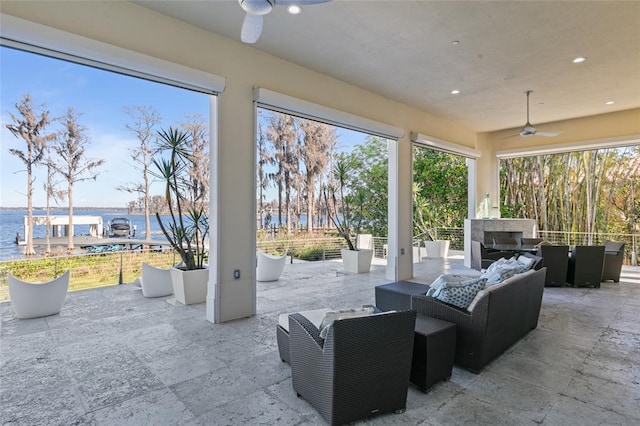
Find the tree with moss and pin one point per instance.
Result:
(142, 123)
(317, 139)
(71, 162)
(31, 125)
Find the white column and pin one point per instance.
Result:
(471, 207)
(214, 222)
(232, 207)
(400, 210)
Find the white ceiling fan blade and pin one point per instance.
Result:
(510, 136)
(547, 134)
(251, 28)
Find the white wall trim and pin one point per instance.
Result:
(26, 35)
(617, 142)
(295, 106)
(441, 145)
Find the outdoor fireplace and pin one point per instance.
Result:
(485, 230)
(490, 235)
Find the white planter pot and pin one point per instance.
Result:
(356, 261)
(437, 249)
(190, 287)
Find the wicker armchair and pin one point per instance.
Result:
(613, 258)
(361, 369)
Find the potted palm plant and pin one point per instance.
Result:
(348, 223)
(424, 219)
(187, 227)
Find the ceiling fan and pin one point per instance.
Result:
(256, 9)
(528, 129)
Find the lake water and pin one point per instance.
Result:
(12, 222)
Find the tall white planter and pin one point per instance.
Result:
(437, 249)
(190, 287)
(356, 261)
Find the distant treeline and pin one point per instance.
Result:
(590, 191)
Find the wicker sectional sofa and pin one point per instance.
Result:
(499, 316)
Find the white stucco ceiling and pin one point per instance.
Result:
(403, 50)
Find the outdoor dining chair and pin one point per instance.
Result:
(556, 260)
(585, 266)
(613, 258)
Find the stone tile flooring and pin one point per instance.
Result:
(113, 357)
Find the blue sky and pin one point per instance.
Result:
(100, 96)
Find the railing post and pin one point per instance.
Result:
(121, 280)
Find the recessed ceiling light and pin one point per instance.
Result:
(294, 9)
(455, 42)
(455, 92)
(579, 59)
(609, 103)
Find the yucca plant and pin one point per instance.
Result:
(188, 226)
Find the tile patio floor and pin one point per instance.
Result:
(112, 357)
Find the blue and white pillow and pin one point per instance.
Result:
(502, 269)
(443, 279)
(459, 293)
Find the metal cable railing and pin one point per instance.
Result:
(103, 269)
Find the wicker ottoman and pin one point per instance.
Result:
(397, 295)
(434, 348)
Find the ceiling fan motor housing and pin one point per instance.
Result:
(257, 7)
(528, 130)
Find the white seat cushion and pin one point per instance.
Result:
(315, 316)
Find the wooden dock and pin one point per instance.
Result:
(85, 242)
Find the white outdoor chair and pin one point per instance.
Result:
(364, 241)
(270, 267)
(34, 300)
(155, 282)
